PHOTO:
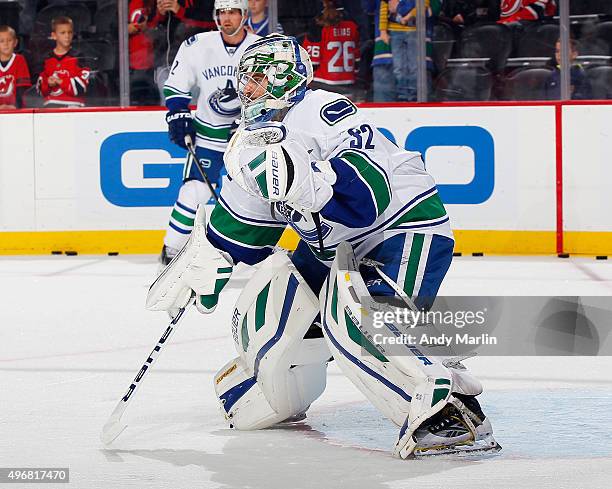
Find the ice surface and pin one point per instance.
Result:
(74, 332)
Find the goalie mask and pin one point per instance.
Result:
(273, 74)
(221, 5)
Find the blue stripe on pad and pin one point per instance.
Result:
(235, 393)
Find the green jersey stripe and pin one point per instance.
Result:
(373, 177)
(413, 263)
(169, 93)
(177, 216)
(218, 133)
(242, 233)
(426, 210)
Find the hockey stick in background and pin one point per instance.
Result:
(113, 426)
(191, 149)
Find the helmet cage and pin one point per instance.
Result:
(277, 76)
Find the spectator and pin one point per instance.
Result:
(257, 23)
(142, 18)
(382, 62)
(63, 81)
(580, 86)
(517, 10)
(397, 25)
(14, 73)
(333, 45)
(196, 14)
(468, 12)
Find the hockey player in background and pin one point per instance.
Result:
(209, 62)
(371, 223)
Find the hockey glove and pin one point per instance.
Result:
(198, 266)
(282, 172)
(180, 124)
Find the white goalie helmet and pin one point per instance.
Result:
(220, 5)
(273, 74)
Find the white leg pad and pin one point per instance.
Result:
(278, 373)
(407, 389)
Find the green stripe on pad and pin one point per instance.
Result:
(263, 185)
(358, 337)
(334, 302)
(260, 307)
(374, 177)
(245, 334)
(257, 161)
(439, 395)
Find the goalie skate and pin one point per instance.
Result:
(460, 428)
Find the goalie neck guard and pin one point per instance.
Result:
(273, 74)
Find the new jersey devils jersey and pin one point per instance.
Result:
(73, 79)
(13, 75)
(334, 53)
(515, 10)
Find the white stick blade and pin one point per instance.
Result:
(111, 430)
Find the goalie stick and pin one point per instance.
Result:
(113, 426)
(191, 149)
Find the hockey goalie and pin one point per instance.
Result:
(370, 222)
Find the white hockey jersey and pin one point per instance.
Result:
(205, 61)
(380, 189)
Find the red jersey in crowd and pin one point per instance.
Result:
(74, 79)
(515, 10)
(334, 53)
(13, 75)
(140, 43)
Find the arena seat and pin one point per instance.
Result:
(537, 40)
(601, 81)
(463, 83)
(526, 84)
(442, 41)
(79, 13)
(489, 40)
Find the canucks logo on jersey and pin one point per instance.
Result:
(302, 223)
(224, 101)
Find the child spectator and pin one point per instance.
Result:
(580, 86)
(257, 22)
(63, 81)
(397, 27)
(333, 45)
(14, 73)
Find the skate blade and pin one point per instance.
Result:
(466, 449)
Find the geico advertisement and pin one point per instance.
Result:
(494, 166)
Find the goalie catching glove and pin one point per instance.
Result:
(280, 171)
(198, 266)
